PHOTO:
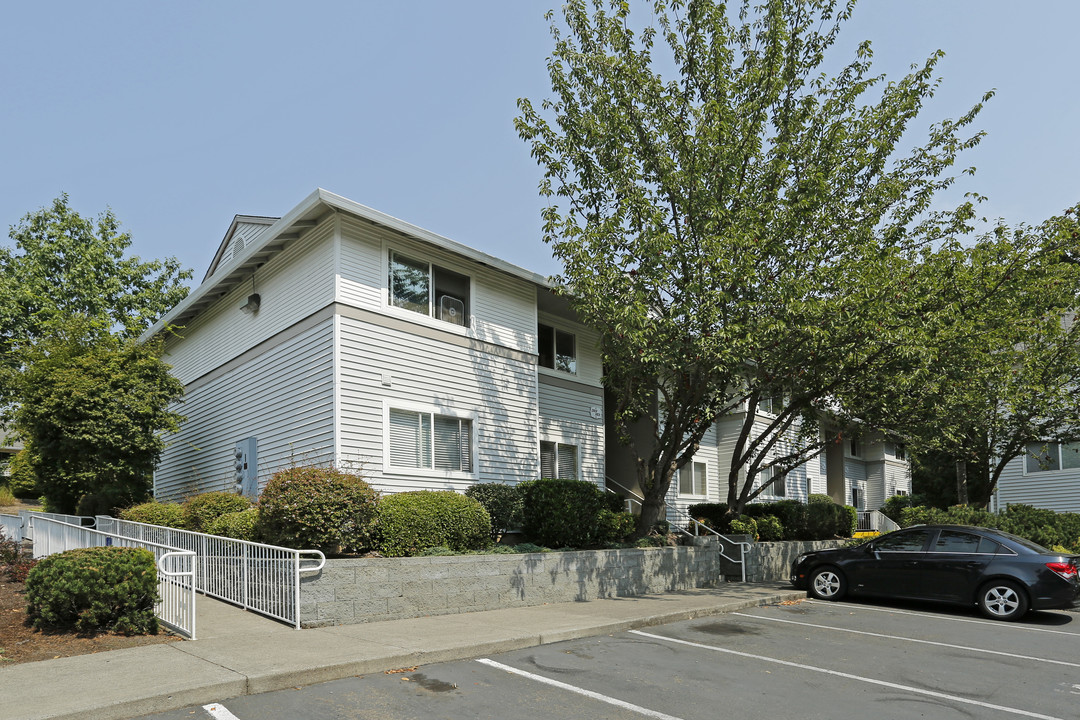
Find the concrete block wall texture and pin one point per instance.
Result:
(349, 591)
(771, 561)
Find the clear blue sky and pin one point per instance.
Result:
(178, 115)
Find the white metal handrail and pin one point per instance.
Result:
(79, 520)
(724, 539)
(12, 527)
(875, 521)
(175, 606)
(630, 501)
(258, 577)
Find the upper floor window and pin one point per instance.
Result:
(558, 461)
(428, 441)
(854, 447)
(693, 479)
(428, 289)
(1052, 456)
(558, 349)
(779, 486)
(771, 405)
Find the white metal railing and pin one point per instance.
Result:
(12, 527)
(681, 516)
(78, 520)
(261, 578)
(875, 521)
(634, 499)
(175, 606)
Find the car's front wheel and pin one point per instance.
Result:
(826, 583)
(1002, 600)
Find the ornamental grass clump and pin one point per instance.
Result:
(89, 590)
(317, 507)
(411, 522)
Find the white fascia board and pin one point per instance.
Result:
(331, 201)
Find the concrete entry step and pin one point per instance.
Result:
(218, 619)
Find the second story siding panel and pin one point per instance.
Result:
(502, 308)
(293, 285)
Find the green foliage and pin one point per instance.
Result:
(792, 515)
(239, 525)
(819, 499)
(895, 505)
(6, 496)
(848, 522)
(769, 528)
(744, 526)
(712, 515)
(822, 520)
(94, 589)
(94, 410)
(200, 511)
(156, 513)
(615, 527)
(503, 503)
(1045, 527)
(22, 482)
(736, 221)
(529, 548)
(412, 521)
(314, 507)
(563, 513)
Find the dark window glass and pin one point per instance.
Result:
(912, 541)
(987, 547)
(546, 340)
(951, 541)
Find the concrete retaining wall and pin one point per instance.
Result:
(771, 561)
(351, 591)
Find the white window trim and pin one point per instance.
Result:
(847, 448)
(769, 493)
(415, 317)
(1061, 469)
(708, 474)
(389, 469)
(555, 372)
(557, 441)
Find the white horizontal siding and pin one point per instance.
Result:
(588, 437)
(1057, 490)
(284, 397)
(502, 308)
(293, 285)
(442, 375)
(590, 366)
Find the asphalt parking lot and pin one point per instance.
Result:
(808, 659)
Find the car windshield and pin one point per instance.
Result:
(1024, 542)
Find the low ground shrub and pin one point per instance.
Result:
(239, 525)
(156, 513)
(565, 513)
(411, 522)
(616, 527)
(1045, 527)
(316, 507)
(769, 528)
(200, 511)
(712, 515)
(745, 526)
(502, 502)
(94, 589)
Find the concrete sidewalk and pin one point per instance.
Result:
(240, 653)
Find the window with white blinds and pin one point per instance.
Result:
(427, 440)
(558, 460)
(692, 479)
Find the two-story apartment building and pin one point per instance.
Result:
(338, 334)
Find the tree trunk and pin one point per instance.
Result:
(651, 512)
(961, 482)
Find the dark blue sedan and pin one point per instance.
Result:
(1002, 574)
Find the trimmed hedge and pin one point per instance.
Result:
(411, 522)
(503, 503)
(1045, 527)
(567, 513)
(200, 511)
(94, 589)
(240, 525)
(315, 507)
(821, 519)
(155, 513)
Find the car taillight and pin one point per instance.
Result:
(1063, 569)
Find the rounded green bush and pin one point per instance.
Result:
(745, 526)
(315, 507)
(239, 525)
(503, 503)
(769, 528)
(616, 527)
(94, 589)
(411, 522)
(200, 511)
(155, 513)
(563, 513)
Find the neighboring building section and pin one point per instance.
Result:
(1047, 476)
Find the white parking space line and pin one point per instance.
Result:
(907, 639)
(995, 623)
(580, 691)
(849, 676)
(219, 712)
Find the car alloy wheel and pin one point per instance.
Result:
(826, 584)
(1002, 600)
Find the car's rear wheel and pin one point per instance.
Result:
(826, 583)
(1002, 600)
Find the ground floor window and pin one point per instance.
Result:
(558, 460)
(693, 479)
(430, 441)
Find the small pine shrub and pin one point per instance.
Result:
(155, 513)
(6, 497)
(411, 522)
(315, 507)
(563, 513)
(200, 511)
(848, 521)
(94, 589)
(239, 525)
(769, 528)
(529, 548)
(22, 481)
(503, 503)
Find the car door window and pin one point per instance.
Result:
(912, 541)
(952, 541)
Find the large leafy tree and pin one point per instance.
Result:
(62, 265)
(744, 229)
(93, 410)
